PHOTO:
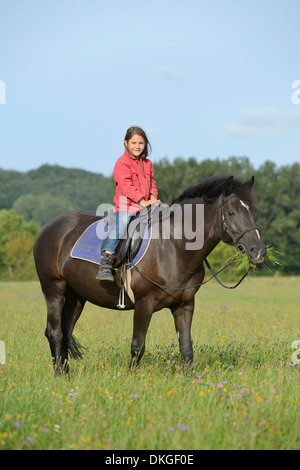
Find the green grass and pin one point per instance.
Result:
(243, 392)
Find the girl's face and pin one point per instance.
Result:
(135, 145)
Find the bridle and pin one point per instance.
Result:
(223, 224)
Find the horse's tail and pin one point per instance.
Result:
(72, 344)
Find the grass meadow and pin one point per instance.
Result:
(243, 392)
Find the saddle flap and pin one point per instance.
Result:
(128, 248)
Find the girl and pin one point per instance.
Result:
(135, 187)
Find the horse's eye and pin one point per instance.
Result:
(230, 213)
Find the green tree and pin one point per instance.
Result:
(41, 208)
(12, 226)
(19, 260)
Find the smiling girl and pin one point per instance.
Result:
(135, 187)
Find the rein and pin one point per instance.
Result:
(235, 238)
(214, 275)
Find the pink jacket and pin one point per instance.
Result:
(134, 181)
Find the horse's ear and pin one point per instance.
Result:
(249, 184)
(228, 186)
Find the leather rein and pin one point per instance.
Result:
(222, 224)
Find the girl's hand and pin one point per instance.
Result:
(153, 200)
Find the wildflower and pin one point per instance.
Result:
(182, 427)
(135, 396)
(177, 367)
(220, 385)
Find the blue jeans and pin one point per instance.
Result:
(118, 231)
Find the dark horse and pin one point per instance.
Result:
(67, 283)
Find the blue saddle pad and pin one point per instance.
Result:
(88, 246)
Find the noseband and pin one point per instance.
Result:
(222, 224)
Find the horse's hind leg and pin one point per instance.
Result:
(54, 297)
(71, 312)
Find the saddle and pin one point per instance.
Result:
(128, 248)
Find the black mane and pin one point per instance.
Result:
(211, 188)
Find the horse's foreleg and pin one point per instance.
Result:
(141, 321)
(183, 314)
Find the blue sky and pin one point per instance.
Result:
(204, 78)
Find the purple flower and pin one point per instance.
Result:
(182, 427)
(220, 385)
(177, 367)
(135, 396)
(17, 424)
(171, 430)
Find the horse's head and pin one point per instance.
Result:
(237, 220)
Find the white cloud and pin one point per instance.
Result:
(263, 121)
(150, 130)
(166, 72)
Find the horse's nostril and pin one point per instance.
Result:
(257, 254)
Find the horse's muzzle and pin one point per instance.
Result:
(257, 254)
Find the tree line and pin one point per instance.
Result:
(28, 200)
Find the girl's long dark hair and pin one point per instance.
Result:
(139, 131)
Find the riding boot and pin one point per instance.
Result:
(104, 273)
